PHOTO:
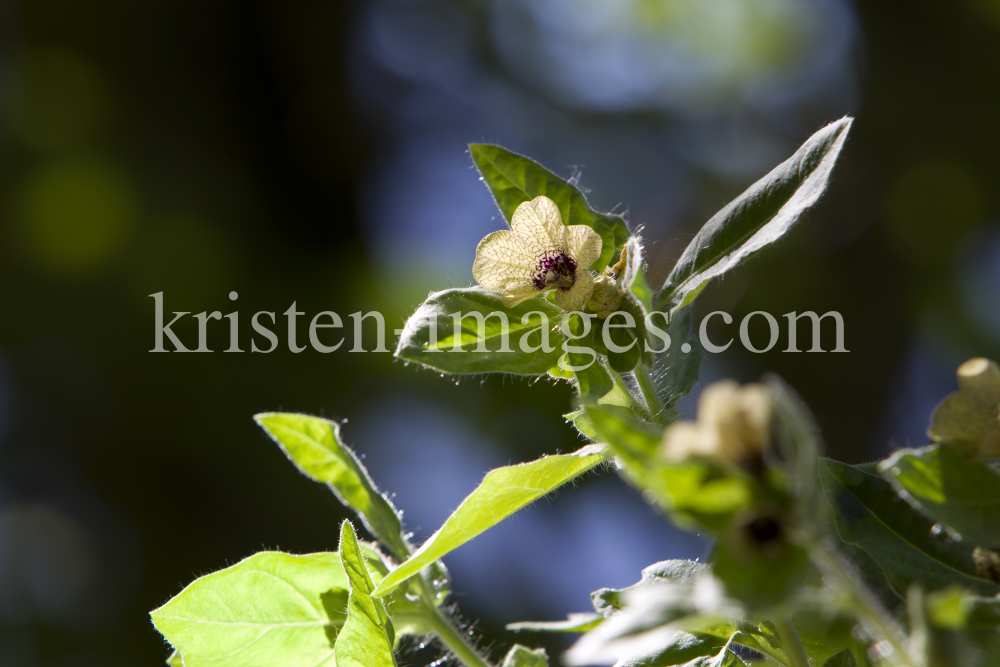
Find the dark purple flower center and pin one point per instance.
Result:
(555, 270)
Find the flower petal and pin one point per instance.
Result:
(502, 258)
(539, 225)
(583, 244)
(519, 292)
(577, 296)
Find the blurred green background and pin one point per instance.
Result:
(313, 152)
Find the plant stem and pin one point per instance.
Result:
(454, 640)
(871, 611)
(653, 402)
(790, 642)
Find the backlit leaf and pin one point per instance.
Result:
(757, 218)
(431, 336)
(366, 639)
(502, 492)
(270, 610)
(315, 447)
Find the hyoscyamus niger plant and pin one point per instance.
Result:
(815, 562)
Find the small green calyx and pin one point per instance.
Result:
(606, 298)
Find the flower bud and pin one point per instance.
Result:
(734, 426)
(606, 298)
(969, 420)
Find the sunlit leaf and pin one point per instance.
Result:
(632, 439)
(958, 492)
(315, 447)
(431, 337)
(869, 514)
(757, 218)
(522, 656)
(575, 623)
(175, 660)
(366, 638)
(270, 610)
(502, 493)
(514, 179)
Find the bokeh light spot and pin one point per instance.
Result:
(76, 215)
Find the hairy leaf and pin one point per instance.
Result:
(431, 336)
(869, 514)
(270, 610)
(315, 447)
(757, 218)
(502, 492)
(514, 179)
(367, 638)
(958, 492)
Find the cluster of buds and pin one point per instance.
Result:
(969, 420)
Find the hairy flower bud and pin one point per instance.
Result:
(734, 425)
(606, 298)
(969, 420)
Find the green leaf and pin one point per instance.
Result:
(592, 382)
(634, 441)
(869, 514)
(502, 493)
(175, 660)
(270, 610)
(581, 422)
(429, 336)
(642, 291)
(962, 494)
(757, 218)
(367, 637)
(575, 623)
(521, 656)
(315, 447)
(843, 659)
(676, 372)
(514, 179)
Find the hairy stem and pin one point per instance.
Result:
(653, 402)
(871, 611)
(790, 642)
(455, 640)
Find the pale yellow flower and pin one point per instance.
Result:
(969, 420)
(537, 254)
(734, 425)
